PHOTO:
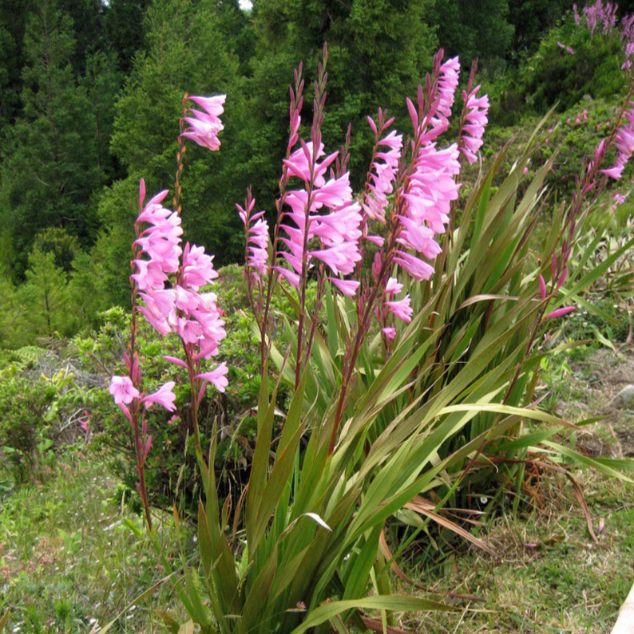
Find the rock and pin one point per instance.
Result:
(624, 399)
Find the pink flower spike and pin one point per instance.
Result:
(347, 287)
(218, 377)
(560, 312)
(164, 396)
(123, 390)
(176, 361)
(601, 525)
(542, 287)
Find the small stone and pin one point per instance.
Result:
(624, 399)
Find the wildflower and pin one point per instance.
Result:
(257, 236)
(347, 287)
(382, 176)
(390, 333)
(476, 121)
(339, 229)
(560, 312)
(123, 390)
(618, 199)
(624, 142)
(205, 126)
(218, 377)
(401, 308)
(447, 84)
(164, 396)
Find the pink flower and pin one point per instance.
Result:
(476, 121)
(382, 177)
(393, 287)
(339, 229)
(401, 308)
(542, 287)
(257, 235)
(389, 332)
(205, 126)
(123, 390)
(164, 396)
(447, 84)
(198, 267)
(560, 312)
(218, 377)
(416, 267)
(347, 287)
(624, 142)
(618, 199)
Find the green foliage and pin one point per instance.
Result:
(473, 30)
(555, 75)
(50, 163)
(45, 298)
(23, 428)
(71, 558)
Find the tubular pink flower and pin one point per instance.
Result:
(401, 309)
(476, 121)
(123, 390)
(560, 312)
(347, 287)
(198, 267)
(205, 126)
(213, 106)
(149, 275)
(382, 177)
(389, 332)
(414, 266)
(332, 217)
(542, 287)
(257, 235)
(154, 212)
(218, 377)
(447, 84)
(393, 287)
(164, 396)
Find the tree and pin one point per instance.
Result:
(51, 167)
(12, 20)
(124, 24)
(45, 297)
(474, 29)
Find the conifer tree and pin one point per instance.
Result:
(45, 298)
(50, 163)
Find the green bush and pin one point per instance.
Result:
(25, 432)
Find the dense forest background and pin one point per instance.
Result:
(91, 96)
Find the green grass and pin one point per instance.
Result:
(69, 557)
(566, 583)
